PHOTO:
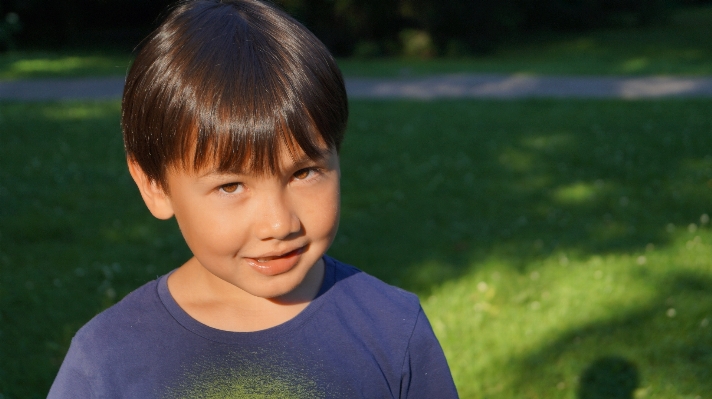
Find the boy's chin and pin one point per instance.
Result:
(303, 291)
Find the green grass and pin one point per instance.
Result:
(554, 244)
(35, 64)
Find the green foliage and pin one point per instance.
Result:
(350, 27)
(9, 27)
(72, 23)
(587, 14)
(482, 25)
(477, 25)
(557, 245)
(459, 27)
(345, 26)
(678, 47)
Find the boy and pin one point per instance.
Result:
(233, 114)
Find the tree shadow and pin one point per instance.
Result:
(610, 377)
(519, 180)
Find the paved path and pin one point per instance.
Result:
(62, 89)
(443, 86)
(519, 86)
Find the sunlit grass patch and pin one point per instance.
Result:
(577, 192)
(78, 112)
(22, 65)
(534, 333)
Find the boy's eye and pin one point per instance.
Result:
(302, 174)
(230, 187)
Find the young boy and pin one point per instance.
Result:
(233, 114)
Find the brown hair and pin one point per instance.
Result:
(228, 82)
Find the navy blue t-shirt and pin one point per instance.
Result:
(359, 338)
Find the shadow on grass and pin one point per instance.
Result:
(668, 337)
(459, 182)
(609, 377)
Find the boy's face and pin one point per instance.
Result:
(260, 233)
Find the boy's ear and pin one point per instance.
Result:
(156, 199)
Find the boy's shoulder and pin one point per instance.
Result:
(365, 289)
(367, 303)
(138, 311)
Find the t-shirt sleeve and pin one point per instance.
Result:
(425, 370)
(72, 380)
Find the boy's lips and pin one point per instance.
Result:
(271, 265)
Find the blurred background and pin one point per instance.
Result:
(560, 246)
(363, 28)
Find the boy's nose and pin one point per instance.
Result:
(276, 219)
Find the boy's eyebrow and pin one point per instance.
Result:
(304, 159)
(217, 172)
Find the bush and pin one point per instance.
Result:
(352, 27)
(59, 23)
(9, 27)
(455, 27)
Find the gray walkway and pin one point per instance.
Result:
(444, 86)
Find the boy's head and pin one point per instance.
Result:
(233, 114)
(225, 83)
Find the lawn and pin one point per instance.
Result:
(556, 245)
(681, 46)
(63, 64)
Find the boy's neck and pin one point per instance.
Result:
(219, 305)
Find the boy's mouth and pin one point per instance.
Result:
(276, 264)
